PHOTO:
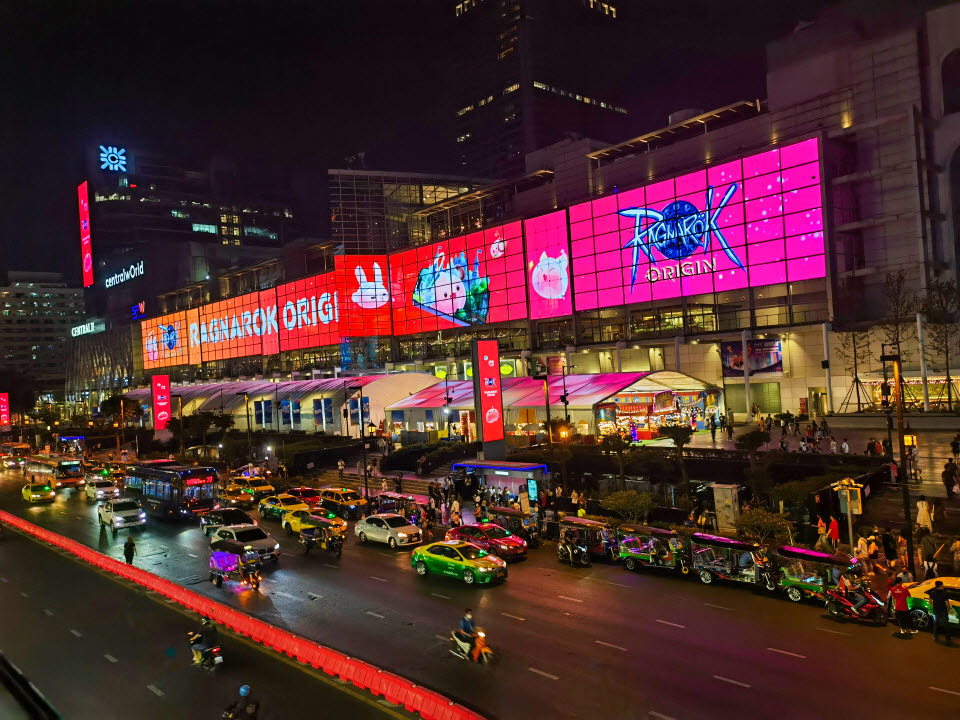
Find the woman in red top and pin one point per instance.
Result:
(833, 532)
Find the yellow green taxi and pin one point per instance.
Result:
(342, 501)
(296, 520)
(36, 493)
(458, 559)
(921, 609)
(276, 506)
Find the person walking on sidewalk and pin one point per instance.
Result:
(949, 478)
(923, 514)
(129, 550)
(955, 447)
(340, 466)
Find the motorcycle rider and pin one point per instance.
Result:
(468, 629)
(208, 638)
(847, 587)
(245, 707)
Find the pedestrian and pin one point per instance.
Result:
(946, 477)
(455, 508)
(955, 550)
(862, 553)
(129, 550)
(383, 484)
(941, 612)
(889, 546)
(783, 445)
(923, 514)
(955, 447)
(730, 431)
(879, 579)
(904, 576)
(900, 595)
(928, 553)
(783, 428)
(844, 447)
(713, 429)
(833, 530)
(833, 445)
(340, 466)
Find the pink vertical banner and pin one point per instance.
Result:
(161, 401)
(4, 409)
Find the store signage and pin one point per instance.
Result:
(113, 158)
(134, 271)
(138, 310)
(90, 327)
(161, 401)
(763, 356)
(488, 389)
(4, 409)
(86, 248)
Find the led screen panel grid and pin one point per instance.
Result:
(164, 341)
(548, 265)
(309, 312)
(364, 295)
(756, 220)
(468, 280)
(238, 327)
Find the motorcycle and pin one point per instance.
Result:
(840, 606)
(574, 554)
(479, 653)
(210, 657)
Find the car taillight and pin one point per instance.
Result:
(216, 649)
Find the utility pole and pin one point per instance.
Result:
(904, 463)
(363, 444)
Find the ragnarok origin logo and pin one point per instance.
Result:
(677, 232)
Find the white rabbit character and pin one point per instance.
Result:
(370, 295)
(550, 278)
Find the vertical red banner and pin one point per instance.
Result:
(86, 248)
(161, 401)
(4, 409)
(486, 378)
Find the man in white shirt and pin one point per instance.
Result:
(844, 447)
(833, 445)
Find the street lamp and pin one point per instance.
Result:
(246, 404)
(363, 443)
(563, 398)
(894, 357)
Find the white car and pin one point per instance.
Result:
(387, 528)
(117, 514)
(251, 535)
(101, 490)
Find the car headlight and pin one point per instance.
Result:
(117, 520)
(486, 569)
(143, 516)
(353, 507)
(400, 534)
(276, 546)
(34, 497)
(51, 494)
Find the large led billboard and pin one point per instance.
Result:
(754, 221)
(469, 280)
(86, 247)
(309, 312)
(364, 296)
(548, 265)
(164, 340)
(241, 326)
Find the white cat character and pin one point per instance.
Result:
(550, 277)
(450, 294)
(498, 248)
(370, 295)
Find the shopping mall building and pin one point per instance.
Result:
(733, 246)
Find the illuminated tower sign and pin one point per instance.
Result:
(113, 158)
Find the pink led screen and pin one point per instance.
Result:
(468, 280)
(754, 221)
(548, 266)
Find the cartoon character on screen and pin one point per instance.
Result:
(370, 295)
(453, 291)
(499, 246)
(550, 277)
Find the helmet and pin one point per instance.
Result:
(244, 690)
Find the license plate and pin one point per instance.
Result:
(217, 660)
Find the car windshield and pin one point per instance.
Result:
(495, 533)
(234, 517)
(471, 553)
(309, 493)
(350, 496)
(103, 484)
(291, 501)
(251, 534)
(120, 506)
(396, 521)
(257, 482)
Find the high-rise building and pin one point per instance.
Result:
(529, 73)
(37, 313)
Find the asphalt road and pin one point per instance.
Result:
(600, 642)
(99, 647)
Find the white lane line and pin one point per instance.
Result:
(155, 690)
(948, 692)
(718, 607)
(787, 652)
(660, 716)
(111, 658)
(335, 567)
(23, 594)
(283, 594)
(376, 615)
(544, 674)
(314, 596)
(386, 554)
(514, 617)
(79, 517)
(606, 644)
(834, 632)
(442, 597)
(378, 579)
(732, 682)
(441, 637)
(48, 613)
(608, 582)
(676, 625)
(76, 633)
(564, 597)
(192, 555)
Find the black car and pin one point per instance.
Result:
(221, 518)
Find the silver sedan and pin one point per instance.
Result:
(387, 528)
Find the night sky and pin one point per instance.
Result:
(293, 87)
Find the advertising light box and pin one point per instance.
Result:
(86, 247)
(241, 326)
(161, 401)
(548, 266)
(164, 340)
(309, 312)
(364, 296)
(754, 221)
(4, 409)
(469, 280)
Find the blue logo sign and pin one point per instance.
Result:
(139, 310)
(679, 230)
(113, 158)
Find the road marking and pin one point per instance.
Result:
(606, 644)
(192, 555)
(541, 672)
(79, 517)
(948, 692)
(440, 637)
(111, 658)
(76, 633)
(283, 594)
(48, 613)
(378, 579)
(335, 567)
(386, 554)
(786, 652)
(718, 607)
(314, 596)
(664, 622)
(155, 690)
(23, 594)
(732, 682)
(376, 615)
(564, 597)
(835, 632)
(442, 597)
(660, 716)
(514, 617)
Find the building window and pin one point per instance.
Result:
(179, 214)
(204, 228)
(950, 76)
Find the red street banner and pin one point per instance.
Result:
(4, 409)
(86, 249)
(161, 401)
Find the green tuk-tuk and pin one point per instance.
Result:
(517, 522)
(643, 546)
(323, 534)
(803, 573)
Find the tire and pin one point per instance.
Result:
(218, 580)
(706, 577)
(289, 529)
(468, 577)
(794, 594)
(263, 514)
(921, 619)
(834, 609)
(630, 564)
(362, 537)
(392, 544)
(880, 617)
(422, 569)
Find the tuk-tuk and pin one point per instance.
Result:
(597, 536)
(229, 558)
(323, 534)
(406, 505)
(517, 522)
(713, 557)
(642, 546)
(802, 573)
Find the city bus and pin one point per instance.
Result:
(173, 491)
(14, 454)
(60, 471)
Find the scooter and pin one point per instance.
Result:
(840, 606)
(210, 657)
(575, 555)
(479, 653)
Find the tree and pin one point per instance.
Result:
(760, 525)
(222, 422)
(941, 311)
(115, 404)
(899, 320)
(618, 446)
(629, 506)
(853, 349)
(681, 436)
(751, 442)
